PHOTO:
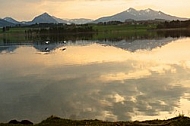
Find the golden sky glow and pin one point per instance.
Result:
(92, 9)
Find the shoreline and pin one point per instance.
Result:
(180, 120)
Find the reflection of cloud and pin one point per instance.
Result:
(37, 86)
(123, 76)
(163, 68)
(85, 97)
(118, 98)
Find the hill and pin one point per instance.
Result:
(56, 121)
(4, 23)
(43, 18)
(131, 13)
(11, 20)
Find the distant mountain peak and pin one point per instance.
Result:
(45, 13)
(138, 15)
(131, 10)
(148, 10)
(4, 23)
(44, 18)
(6, 18)
(80, 21)
(59, 20)
(11, 20)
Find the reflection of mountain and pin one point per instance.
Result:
(139, 44)
(40, 46)
(7, 48)
(130, 45)
(47, 47)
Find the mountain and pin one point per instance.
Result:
(127, 15)
(80, 21)
(4, 23)
(59, 20)
(11, 20)
(44, 18)
(131, 13)
(75, 21)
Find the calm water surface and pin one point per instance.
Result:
(137, 80)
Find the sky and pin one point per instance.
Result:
(25, 10)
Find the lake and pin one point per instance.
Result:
(121, 80)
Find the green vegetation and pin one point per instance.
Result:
(13, 30)
(59, 29)
(174, 24)
(56, 121)
(123, 27)
(74, 32)
(13, 34)
(86, 28)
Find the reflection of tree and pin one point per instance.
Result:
(174, 33)
(61, 37)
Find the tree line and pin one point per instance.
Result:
(60, 29)
(4, 29)
(174, 24)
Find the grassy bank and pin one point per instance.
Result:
(95, 27)
(100, 32)
(56, 121)
(123, 28)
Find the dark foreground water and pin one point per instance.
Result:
(136, 80)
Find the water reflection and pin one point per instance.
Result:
(147, 44)
(174, 33)
(93, 81)
(7, 49)
(48, 46)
